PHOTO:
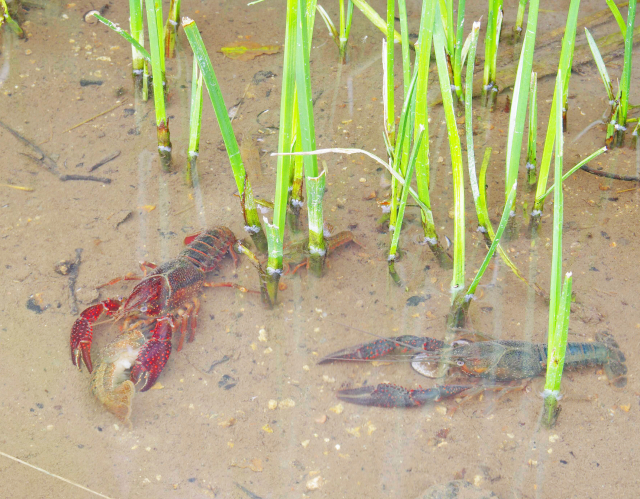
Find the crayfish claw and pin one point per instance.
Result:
(153, 356)
(81, 336)
(383, 395)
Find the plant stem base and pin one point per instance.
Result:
(534, 226)
(164, 145)
(444, 260)
(550, 412)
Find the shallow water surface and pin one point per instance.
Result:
(209, 430)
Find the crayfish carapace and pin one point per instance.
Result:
(499, 361)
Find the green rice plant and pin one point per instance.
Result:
(250, 213)
(559, 300)
(141, 57)
(154, 12)
(579, 165)
(517, 28)
(492, 41)
(315, 183)
(387, 70)
(5, 16)
(456, 56)
(275, 231)
(532, 146)
(485, 227)
(171, 29)
(468, 116)
(564, 67)
(375, 19)
(403, 204)
(400, 156)
(606, 80)
(519, 108)
(625, 79)
(341, 38)
(423, 56)
(462, 301)
(138, 60)
(195, 121)
(556, 348)
(296, 183)
(457, 283)
(403, 140)
(617, 16)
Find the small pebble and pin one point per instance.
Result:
(321, 419)
(354, 431)
(286, 404)
(337, 409)
(315, 483)
(262, 335)
(363, 180)
(553, 438)
(273, 404)
(305, 443)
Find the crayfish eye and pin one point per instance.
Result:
(460, 362)
(143, 308)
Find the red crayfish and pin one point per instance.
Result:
(164, 299)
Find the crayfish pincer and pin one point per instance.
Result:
(163, 301)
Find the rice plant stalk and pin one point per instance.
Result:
(171, 29)
(556, 356)
(423, 51)
(399, 159)
(345, 28)
(564, 67)
(558, 310)
(517, 28)
(157, 67)
(195, 121)
(458, 61)
(135, 44)
(519, 107)
(494, 24)
(602, 69)
(486, 228)
(457, 283)
(315, 183)
(6, 16)
(468, 116)
(625, 79)
(275, 231)
(579, 165)
(533, 131)
(375, 19)
(401, 154)
(137, 33)
(617, 16)
(393, 249)
(388, 87)
(462, 301)
(340, 37)
(250, 213)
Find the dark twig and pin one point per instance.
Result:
(104, 161)
(615, 176)
(45, 160)
(104, 180)
(48, 163)
(247, 491)
(73, 277)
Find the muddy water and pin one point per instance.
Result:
(209, 430)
